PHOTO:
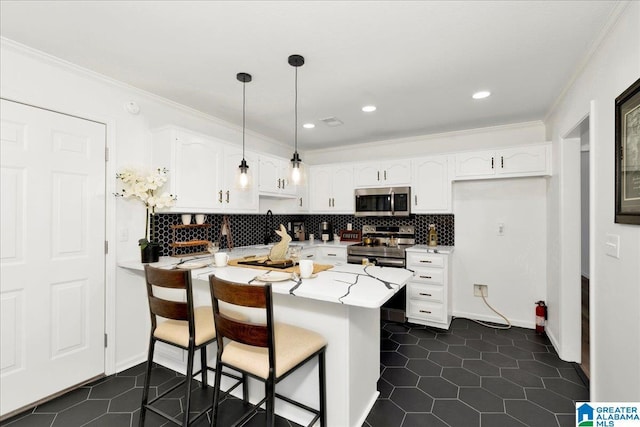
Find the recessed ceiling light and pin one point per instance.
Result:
(482, 94)
(369, 108)
(308, 125)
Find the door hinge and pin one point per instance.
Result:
(105, 340)
(106, 247)
(106, 154)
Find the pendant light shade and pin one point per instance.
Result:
(297, 174)
(243, 179)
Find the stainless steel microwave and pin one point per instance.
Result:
(387, 201)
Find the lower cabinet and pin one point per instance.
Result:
(429, 290)
(331, 254)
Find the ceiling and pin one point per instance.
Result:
(418, 61)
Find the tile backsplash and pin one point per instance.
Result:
(250, 229)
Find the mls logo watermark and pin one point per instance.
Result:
(607, 414)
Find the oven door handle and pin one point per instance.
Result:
(393, 203)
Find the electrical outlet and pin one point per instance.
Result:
(479, 290)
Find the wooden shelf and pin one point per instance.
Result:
(180, 231)
(176, 226)
(189, 244)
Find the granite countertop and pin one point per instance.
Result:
(431, 249)
(349, 284)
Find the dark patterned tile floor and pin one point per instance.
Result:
(469, 376)
(114, 401)
(473, 376)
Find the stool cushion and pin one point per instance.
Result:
(293, 345)
(177, 331)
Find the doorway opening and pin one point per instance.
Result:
(584, 246)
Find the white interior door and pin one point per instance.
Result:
(52, 253)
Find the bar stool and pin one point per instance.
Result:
(268, 352)
(186, 328)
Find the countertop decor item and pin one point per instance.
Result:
(144, 185)
(279, 251)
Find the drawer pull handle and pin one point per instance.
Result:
(426, 261)
(425, 277)
(332, 255)
(425, 311)
(426, 295)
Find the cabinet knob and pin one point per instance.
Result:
(220, 196)
(279, 182)
(385, 175)
(415, 198)
(425, 277)
(427, 261)
(378, 175)
(425, 311)
(502, 162)
(425, 295)
(300, 203)
(227, 196)
(491, 162)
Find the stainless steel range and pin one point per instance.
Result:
(383, 245)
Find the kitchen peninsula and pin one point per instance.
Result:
(343, 305)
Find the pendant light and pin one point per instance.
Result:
(296, 163)
(243, 177)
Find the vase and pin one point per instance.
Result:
(150, 253)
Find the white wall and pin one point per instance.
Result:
(34, 78)
(615, 283)
(512, 265)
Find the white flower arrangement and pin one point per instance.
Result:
(144, 185)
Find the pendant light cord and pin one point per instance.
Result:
(296, 113)
(244, 86)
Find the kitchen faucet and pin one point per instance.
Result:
(268, 227)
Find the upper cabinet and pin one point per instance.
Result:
(274, 177)
(529, 160)
(331, 189)
(392, 172)
(200, 172)
(231, 197)
(431, 185)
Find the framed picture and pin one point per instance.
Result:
(628, 155)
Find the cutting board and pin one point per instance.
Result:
(260, 263)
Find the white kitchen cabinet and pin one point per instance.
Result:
(231, 197)
(529, 160)
(431, 185)
(202, 172)
(393, 172)
(330, 254)
(429, 290)
(194, 163)
(274, 177)
(331, 189)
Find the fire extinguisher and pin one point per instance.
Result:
(541, 316)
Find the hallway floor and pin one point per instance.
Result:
(468, 376)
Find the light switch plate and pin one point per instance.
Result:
(612, 245)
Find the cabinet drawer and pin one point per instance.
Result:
(425, 310)
(429, 275)
(425, 292)
(424, 260)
